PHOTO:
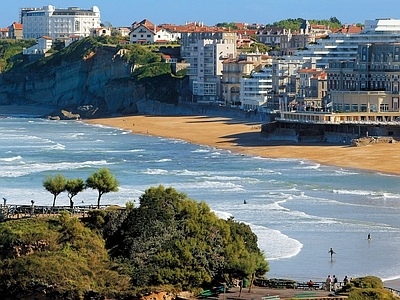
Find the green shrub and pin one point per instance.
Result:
(371, 294)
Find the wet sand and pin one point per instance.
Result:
(243, 136)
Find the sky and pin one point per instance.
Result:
(122, 13)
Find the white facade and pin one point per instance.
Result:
(254, 91)
(59, 23)
(43, 45)
(206, 69)
(343, 47)
(143, 34)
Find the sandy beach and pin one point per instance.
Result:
(242, 136)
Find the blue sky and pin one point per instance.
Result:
(210, 12)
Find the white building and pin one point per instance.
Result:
(205, 51)
(43, 45)
(256, 89)
(59, 23)
(146, 32)
(344, 47)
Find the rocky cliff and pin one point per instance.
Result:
(100, 82)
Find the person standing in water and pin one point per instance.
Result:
(331, 252)
(369, 237)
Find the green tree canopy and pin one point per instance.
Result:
(73, 187)
(171, 239)
(294, 24)
(55, 185)
(102, 181)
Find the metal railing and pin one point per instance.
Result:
(15, 211)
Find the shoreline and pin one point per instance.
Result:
(242, 136)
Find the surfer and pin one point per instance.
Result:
(369, 237)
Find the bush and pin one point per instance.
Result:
(369, 287)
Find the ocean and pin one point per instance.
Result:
(298, 209)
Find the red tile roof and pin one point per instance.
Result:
(17, 25)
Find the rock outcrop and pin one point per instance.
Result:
(101, 80)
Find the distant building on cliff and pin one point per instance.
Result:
(15, 31)
(59, 24)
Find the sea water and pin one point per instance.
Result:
(298, 209)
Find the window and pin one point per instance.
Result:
(363, 107)
(384, 107)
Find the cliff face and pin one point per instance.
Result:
(100, 80)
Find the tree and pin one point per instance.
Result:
(173, 240)
(73, 187)
(55, 185)
(102, 181)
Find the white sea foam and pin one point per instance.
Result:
(28, 168)
(201, 151)
(155, 171)
(163, 160)
(10, 159)
(210, 185)
(275, 244)
(222, 214)
(353, 192)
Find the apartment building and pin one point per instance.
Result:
(255, 90)
(205, 49)
(59, 24)
(234, 69)
(312, 90)
(343, 45)
(368, 84)
(285, 80)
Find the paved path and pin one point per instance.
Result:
(258, 292)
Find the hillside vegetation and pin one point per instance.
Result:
(169, 242)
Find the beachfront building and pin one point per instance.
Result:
(59, 24)
(285, 81)
(370, 84)
(255, 90)
(343, 45)
(363, 95)
(233, 69)
(311, 90)
(205, 49)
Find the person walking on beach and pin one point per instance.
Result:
(331, 252)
